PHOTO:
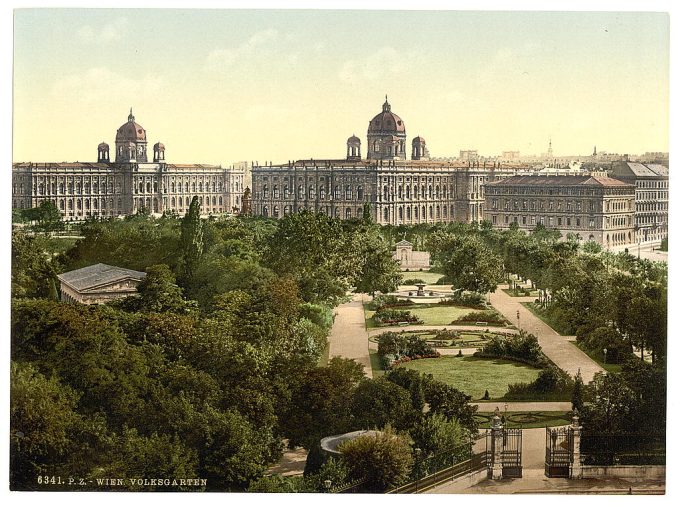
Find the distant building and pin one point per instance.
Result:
(410, 259)
(468, 155)
(99, 283)
(597, 208)
(131, 183)
(651, 198)
(510, 155)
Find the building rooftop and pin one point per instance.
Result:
(98, 275)
(560, 181)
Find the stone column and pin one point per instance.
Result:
(497, 439)
(575, 471)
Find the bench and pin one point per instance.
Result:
(481, 323)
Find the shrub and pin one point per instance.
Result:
(469, 299)
(320, 315)
(551, 380)
(412, 281)
(382, 460)
(446, 335)
(386, 316)
(397, 348)
(490, 317)
(522, 346)
(604, 337)
(386, 301)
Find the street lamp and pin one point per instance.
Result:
(605, 355)
(518, 319)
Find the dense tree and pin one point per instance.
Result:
(33, 272)
(467, 261)
(191, 239)
(379, 402)
(382, 460)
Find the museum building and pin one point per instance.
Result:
(130, 183)
(399, 191)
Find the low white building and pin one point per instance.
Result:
(99, 283)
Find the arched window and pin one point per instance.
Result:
(348, 192)
(386, 214)
(200, 186)
(155, 186)
(360, 193)
(408, 213)
(120, 204)
(265, 211)
(87, 188)
(193, 186)
(399, 191)
(312, 192)
(61, 188)
(401, 214)
(276, 212)
(408, 191)
(276, 191)
(148, 187)
(322, 193)
(220, 200)
(336, 192)
(61, 204)
(265, 192)
(173, 202)
(301, 192)
(348, 213)
(286, 193)
(386, 194)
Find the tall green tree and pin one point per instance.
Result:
(191, 239)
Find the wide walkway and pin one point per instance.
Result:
(348, 336)
(558, 348)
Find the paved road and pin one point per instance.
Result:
(348, 336)
(558, 348)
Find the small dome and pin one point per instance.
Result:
(103, 146)
(418, 140)
(353, 140)
(159, 146)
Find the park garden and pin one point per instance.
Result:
(218, 363)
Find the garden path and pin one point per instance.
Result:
(558, 348)
(348, 336)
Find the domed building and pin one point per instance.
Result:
(131, 141)
(105, 189)
(398, 190)
(386, 135)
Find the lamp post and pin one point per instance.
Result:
(417, 452)
(518, 319)
(605, 355)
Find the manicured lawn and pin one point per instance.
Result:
(537, 311)
(428, 277)
(611, 368)
(466, 339)
(430, 314)
(526, 419)
(474, 375)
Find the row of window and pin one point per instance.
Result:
(174, 188)
(541, 205)
(311, 193)
(547, 221)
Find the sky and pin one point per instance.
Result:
(219, 86)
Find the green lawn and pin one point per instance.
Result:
(526, 419)
(597, 357)
(430, 314)
(541, 315)
(466, 339)
(474, 375)
(428, 277)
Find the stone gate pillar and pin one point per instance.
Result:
(575, 471)
(497, 439)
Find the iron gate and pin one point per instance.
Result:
(559, 451)
(510, 451)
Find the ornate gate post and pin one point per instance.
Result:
(575, 471)
(497, 439)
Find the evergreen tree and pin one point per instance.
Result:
(577, 393)
(192, 238)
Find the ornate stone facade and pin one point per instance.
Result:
(108, 189)
(596, 208)
(399, 191)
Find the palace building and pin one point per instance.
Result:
(399, 191)
(596, 208)
(130, 183)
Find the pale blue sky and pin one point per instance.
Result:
(220, 86)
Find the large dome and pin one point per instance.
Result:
(131, 131)
(386, 122)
